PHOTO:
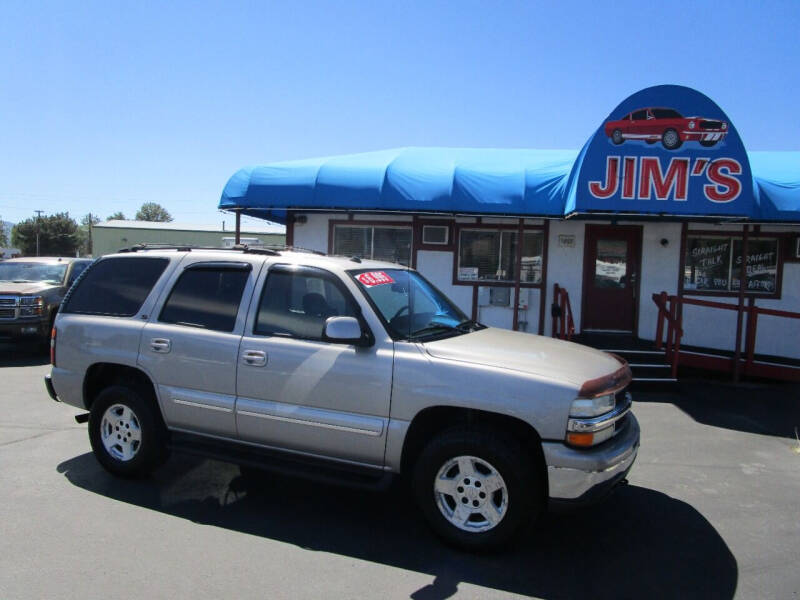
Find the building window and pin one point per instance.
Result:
(389, 243)
(713, 264)
(485, 255)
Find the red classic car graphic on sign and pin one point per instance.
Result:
(666, 125)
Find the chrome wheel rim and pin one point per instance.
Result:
(120, 432)
(670, 139)
(617, 136)
(471, 494)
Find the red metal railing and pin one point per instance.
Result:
(670, 312)
(667, 313)
(561, 311)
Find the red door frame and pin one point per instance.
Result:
(592, 231)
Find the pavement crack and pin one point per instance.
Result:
(32, 437)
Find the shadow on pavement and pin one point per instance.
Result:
(637, 544)
(23, 354)
(763, 408)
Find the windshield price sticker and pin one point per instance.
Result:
(373, 278)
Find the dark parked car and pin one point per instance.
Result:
(31, 290)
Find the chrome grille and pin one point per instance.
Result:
(9, 300)
(7, 313)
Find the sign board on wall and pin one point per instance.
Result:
(566, 240)
(666, 149)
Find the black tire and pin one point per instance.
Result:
(511, 460)
(671, 139)
(151, 450)
(708, 143)
(616, 137)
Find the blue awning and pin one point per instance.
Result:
(777, 185)
(516, 182)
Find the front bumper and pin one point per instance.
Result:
(704, 135)
(19, 328)
(577, 476)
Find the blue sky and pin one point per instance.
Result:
(105, 105)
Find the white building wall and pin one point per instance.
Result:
(313, 234)
(438, 268)
(659, 272)
(565, 267)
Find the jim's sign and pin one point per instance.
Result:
(652, 178)
(666, 149)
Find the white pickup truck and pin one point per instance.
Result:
(340, 369)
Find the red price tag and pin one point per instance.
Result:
(373, 278)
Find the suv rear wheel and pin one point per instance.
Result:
(477, 488)
(126, 432)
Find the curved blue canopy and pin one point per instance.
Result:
(514, 182)
(444, 180)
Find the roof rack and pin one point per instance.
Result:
(187, 248)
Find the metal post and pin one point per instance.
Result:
(518, 278)
(740, 311)
(543, 281)
(238, 235)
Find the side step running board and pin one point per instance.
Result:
(283, 463)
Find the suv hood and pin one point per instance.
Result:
(31, 287)
(545, 357)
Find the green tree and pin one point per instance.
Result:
(58, 235)
(150, 211)
(117, 216)
(3, 238)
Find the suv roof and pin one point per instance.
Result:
(286, 253)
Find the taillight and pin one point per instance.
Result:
(53, 347)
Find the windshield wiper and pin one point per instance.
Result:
(433, 327)
(469, 326)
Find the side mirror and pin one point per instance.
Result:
(343, 330)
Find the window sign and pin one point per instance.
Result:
(713, 264)
(762, 265)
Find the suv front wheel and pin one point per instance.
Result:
(477, 488)
(127, 434)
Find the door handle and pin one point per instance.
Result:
(161, 345)
(254, 358)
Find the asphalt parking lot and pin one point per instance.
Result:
(712, 511)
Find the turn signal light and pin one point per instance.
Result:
(53, 347)
(580, 439)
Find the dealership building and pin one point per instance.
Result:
(662, 230)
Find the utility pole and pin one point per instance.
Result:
(38, 217)
(91, 224)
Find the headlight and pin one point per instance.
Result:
(691, 124)
(30, 306)
(592, 407)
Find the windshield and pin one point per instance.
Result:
(410, 306)
(21, 272)
(666, 113)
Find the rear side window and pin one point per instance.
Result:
(115, 286)
(206, 297)
(297, 304)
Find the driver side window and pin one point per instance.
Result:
(297, 304)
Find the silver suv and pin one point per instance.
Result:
(341, 369)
